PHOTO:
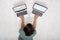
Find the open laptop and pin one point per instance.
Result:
(39, 9)
(20, 10)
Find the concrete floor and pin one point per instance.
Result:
(48, 26)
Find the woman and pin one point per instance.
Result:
(27, 32)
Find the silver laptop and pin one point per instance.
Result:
(20, 10)
(39, 9)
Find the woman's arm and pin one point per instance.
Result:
(35, 19)
(22, 24)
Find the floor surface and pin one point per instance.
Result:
(48, 26)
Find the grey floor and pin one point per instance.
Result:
(48, 26)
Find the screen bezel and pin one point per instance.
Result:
(40, 5)
(20, 5)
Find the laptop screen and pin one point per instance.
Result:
(40, 7)
(21, 7)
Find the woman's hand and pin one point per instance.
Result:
(22, 17)
(22, 24)
(35, 17)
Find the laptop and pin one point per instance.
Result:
(20, 10)
(39, 9)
